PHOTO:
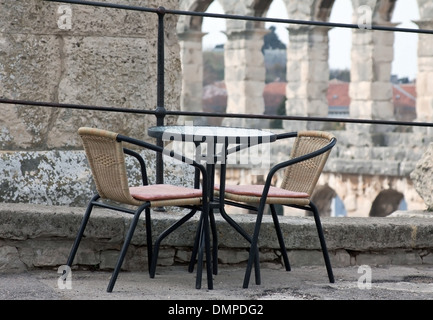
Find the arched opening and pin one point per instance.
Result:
(404, 65)
(214, 91)
(214, 28)
(340, 41)
(386, 202)
(327, 202)
(275, 44)
(339, 60)
(275, 55)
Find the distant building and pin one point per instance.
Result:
(273, 95)
(338, 99)
(404, 98)
(215, 100)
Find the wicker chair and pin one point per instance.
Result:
(309, 154)
(106, 156)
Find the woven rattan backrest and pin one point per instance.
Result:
(107, 162)
(303, 176)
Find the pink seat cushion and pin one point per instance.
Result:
(163, 192)
(257, 191)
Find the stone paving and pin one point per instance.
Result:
(175, 283)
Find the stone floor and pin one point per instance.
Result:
(176, 283)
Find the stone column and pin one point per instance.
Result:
(424, 80)
(192, 80)
(370, 89)
(245, 76)
(307, 76)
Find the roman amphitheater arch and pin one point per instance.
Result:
(307, 59)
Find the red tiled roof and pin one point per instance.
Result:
(274, 93)
(338, 94)
(214, 95)
(404, 95)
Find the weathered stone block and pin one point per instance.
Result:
(422, 177)
(106, 58)
(10, 260)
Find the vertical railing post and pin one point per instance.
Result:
(160, 109)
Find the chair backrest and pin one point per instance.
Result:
(303, 176)
(107, 162)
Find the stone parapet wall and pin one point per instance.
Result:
(75, 54)
(38, 236)
(80, 55)
(62, 177)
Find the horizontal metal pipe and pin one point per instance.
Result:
(213, 114)
(240, 17)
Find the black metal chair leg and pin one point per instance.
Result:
(149, 239)
(280, 237)
(242, 232)
(322, 243)
(214, 247)
(204, 243)
(214, 243)
(254, 244)
(162, 236)
(195, 247)
(200, 257)
(124, 249)
(208, 256)
(81, 231)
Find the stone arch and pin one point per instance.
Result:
(322, 198)
(186, 22)
(308, 51)
(244, 61)
(386, 202)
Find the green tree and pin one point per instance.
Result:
(271, 40)
(342, 75)
(281, 111)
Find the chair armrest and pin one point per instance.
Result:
(286, 135)
(292, 161)
(139, 158)
(169, 153)
(159, 149)
(304, 157)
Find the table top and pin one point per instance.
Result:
(217, 133)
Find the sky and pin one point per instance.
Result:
(405, 48)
